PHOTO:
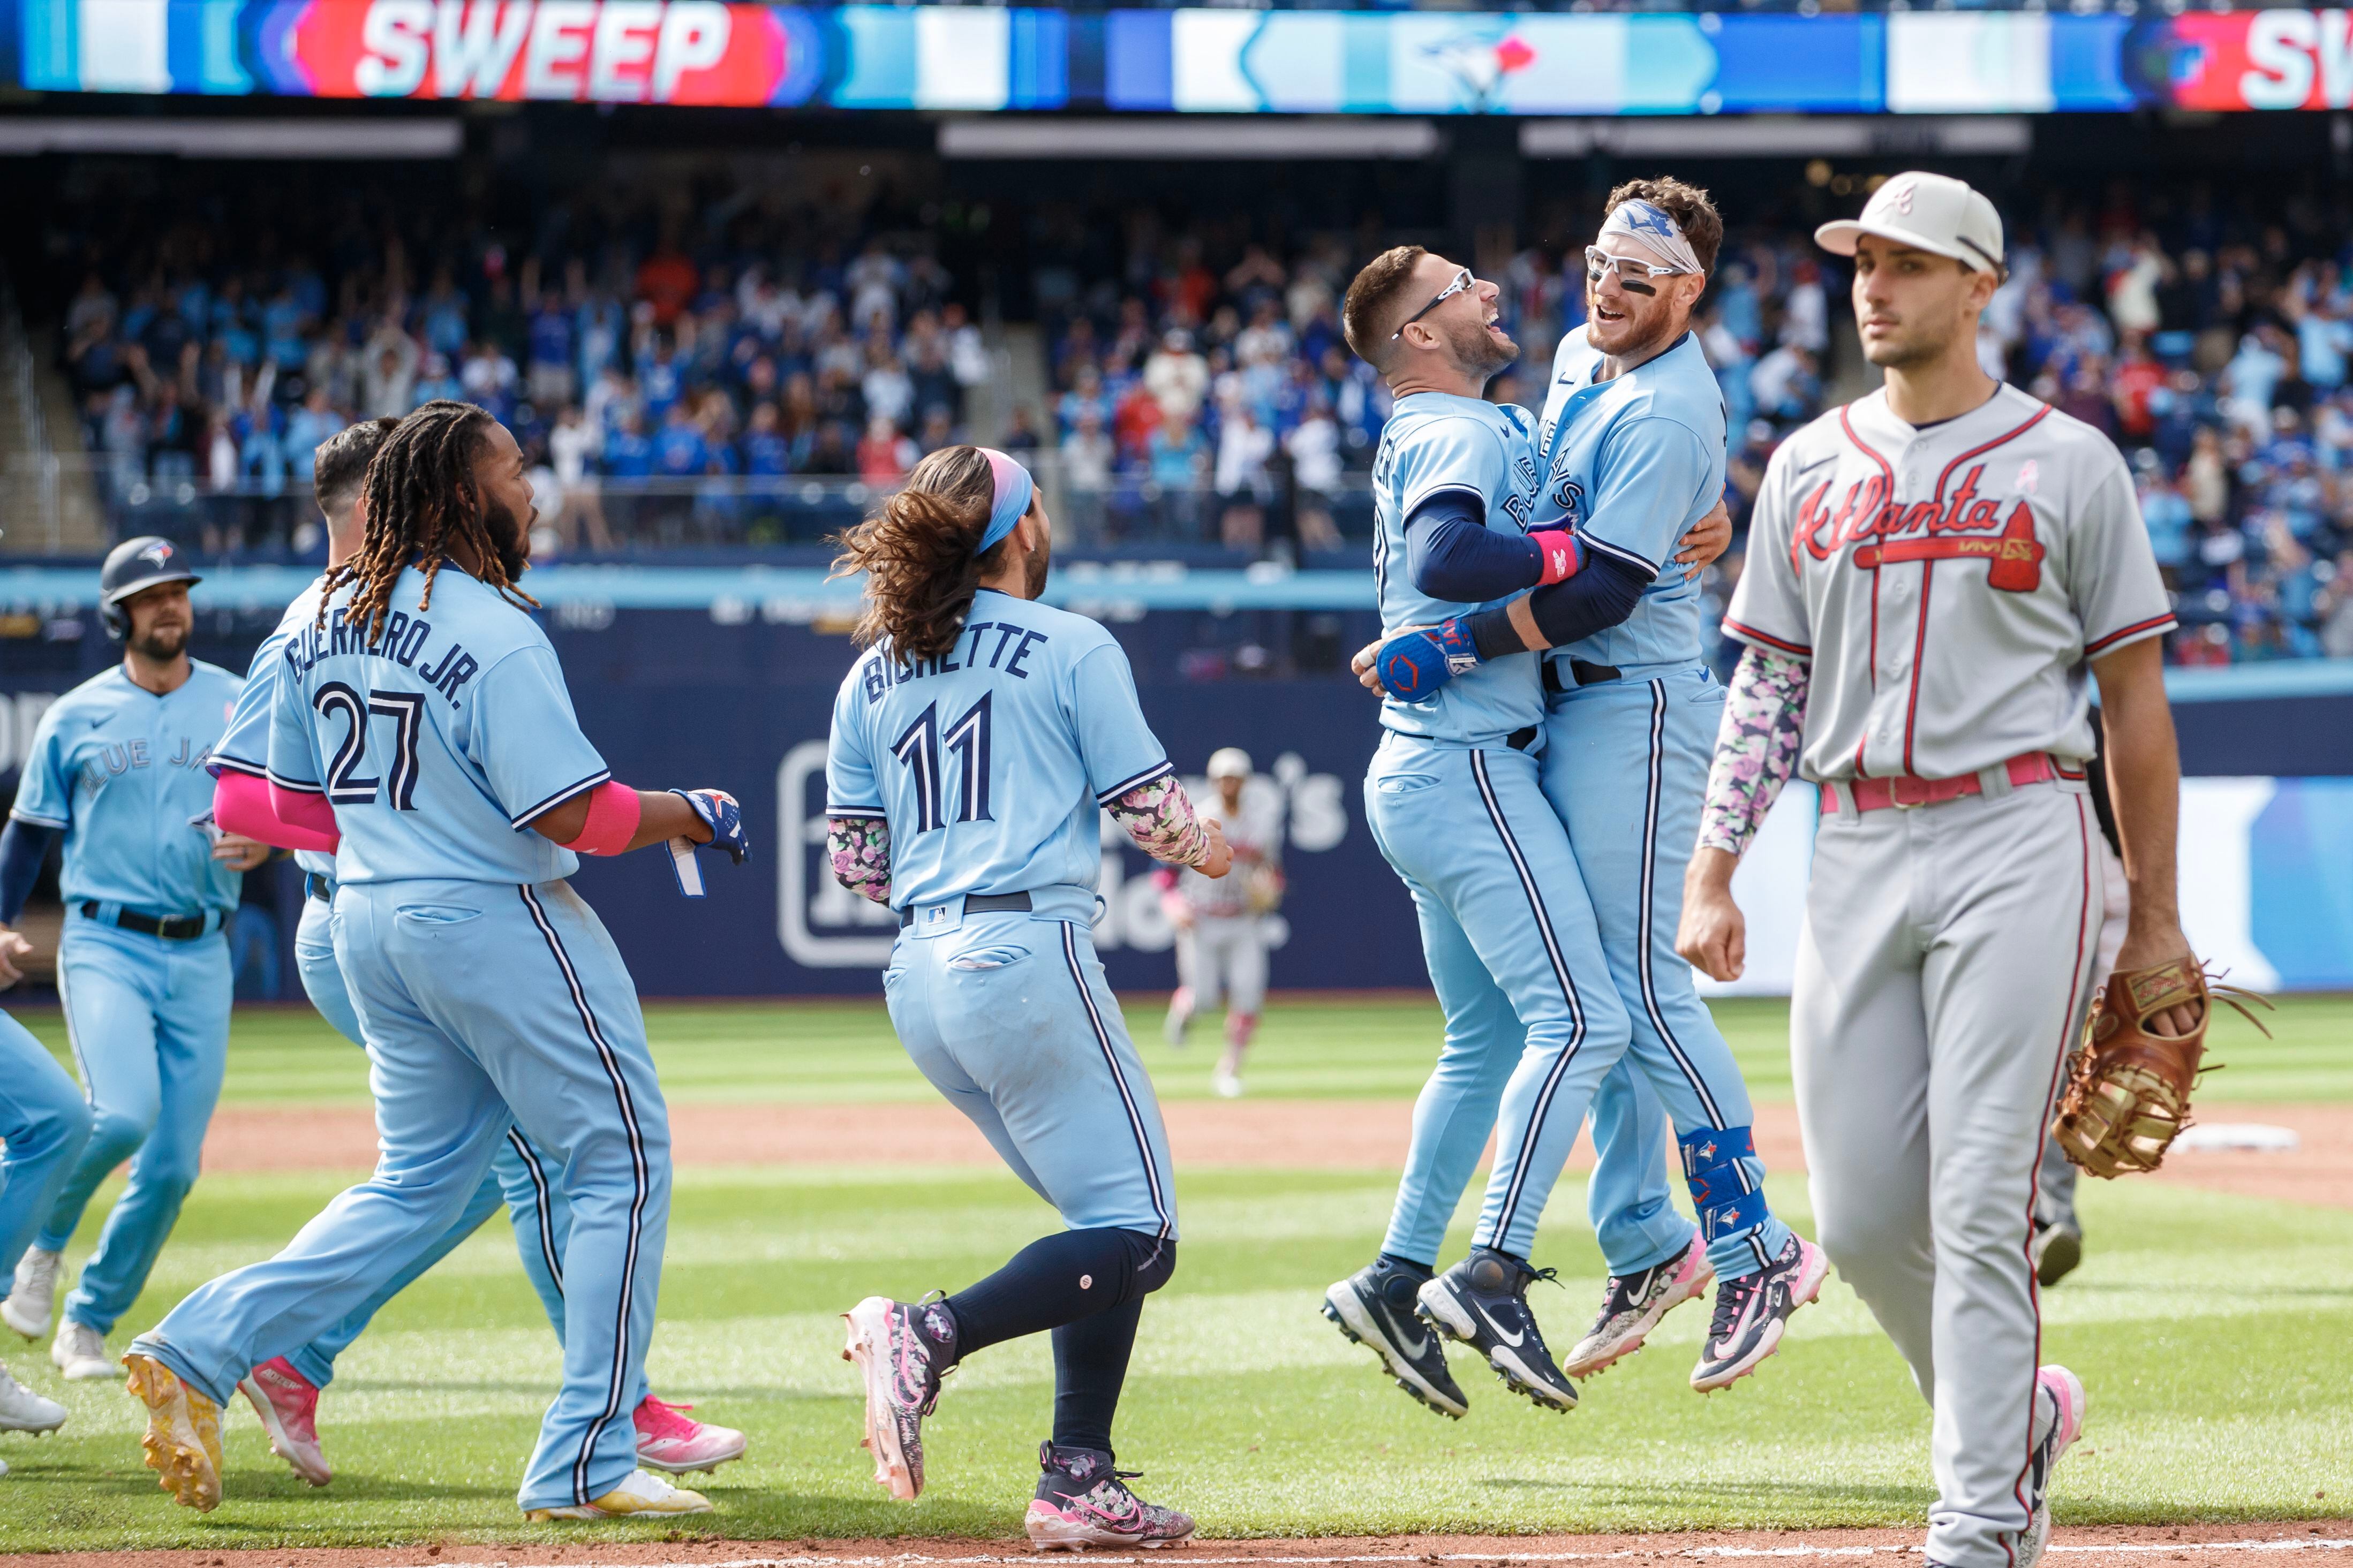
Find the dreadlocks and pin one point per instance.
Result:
(422, 499)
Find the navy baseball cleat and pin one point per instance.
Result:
(1751, 1312)
(1632, 1304)
(1375, 1307)
(1483, 1301)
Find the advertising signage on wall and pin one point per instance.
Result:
(1199, 60)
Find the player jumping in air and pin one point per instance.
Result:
(118, 766)
(974, 746)
(284, 1390)
(421, 730)
(1933, 572)
(1633, 434)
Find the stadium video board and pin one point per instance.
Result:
(1187, 60)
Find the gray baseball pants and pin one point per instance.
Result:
(1943, 972)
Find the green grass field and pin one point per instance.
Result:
(2211, 1330)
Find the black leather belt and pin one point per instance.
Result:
(171, 928)
(314, 886)
(1583, 671)
(977, 904)
(1521, 740)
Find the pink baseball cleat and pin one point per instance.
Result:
(289, 1408)
(667, 1440)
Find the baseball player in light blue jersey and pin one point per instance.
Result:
(422, 726)
(1456, 804)
(284, 1390)
(118, 766)
(43, 1121)
(1634, 457)
(975, 747)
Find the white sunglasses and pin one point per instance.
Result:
(1462, 280)
(1598, 262)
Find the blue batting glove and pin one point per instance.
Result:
(723, 817)
(1412, 665)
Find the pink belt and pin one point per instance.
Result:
(1906, 790)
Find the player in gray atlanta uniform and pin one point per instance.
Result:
(1933, 571)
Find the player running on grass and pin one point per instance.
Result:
(421, 728)
(974, 746)
(1634, 434)
(284, 1390)
(117, 766)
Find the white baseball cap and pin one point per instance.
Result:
(1230, 763)
(1928, 212)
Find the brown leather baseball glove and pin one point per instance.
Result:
(2128, 1093)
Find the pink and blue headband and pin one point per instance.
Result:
(1014, 487)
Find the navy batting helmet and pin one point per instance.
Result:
(133, 567)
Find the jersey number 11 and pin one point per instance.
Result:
(918, 746)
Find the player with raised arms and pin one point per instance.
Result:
(284, 1390)
(117, 766)
(975, 747)
(422, 731)
(1933, 572)
(1634, 449)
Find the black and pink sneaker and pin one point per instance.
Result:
(898, 1349)
(1750, 1313)
(1082, 1501)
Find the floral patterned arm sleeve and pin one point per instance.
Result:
(1159, 817)
(1756, 748)
(858, 849)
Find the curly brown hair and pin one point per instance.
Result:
(1689, 206)
(916, 550)
(421, 500)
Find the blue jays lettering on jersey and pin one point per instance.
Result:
(991, 762)
(1632, 463)
(121, 770)
(1436, 442)
(245, 746)
(437, 746)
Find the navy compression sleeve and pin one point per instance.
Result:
(1604, 594)
(23, 848)
(1451, 553)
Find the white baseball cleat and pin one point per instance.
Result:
(641, 1492)
(1225, 1085)
(79, 1352)
(33, 1294)
(22, 1410)
(289, 1406)
(1632, 1305)
(2059, 1403)
(670, 1441)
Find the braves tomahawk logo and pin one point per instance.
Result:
(1879, 532)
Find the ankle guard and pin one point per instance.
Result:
(1723, 1192)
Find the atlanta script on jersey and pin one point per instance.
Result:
(1949, 583)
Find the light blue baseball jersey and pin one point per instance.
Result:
(123, 772)
(1437, 442)
(439, 744)
(1632, 463)
(245, 747)
(991, 763)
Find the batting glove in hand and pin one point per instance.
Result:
(1412, 665)
(722, 816)
(1564, 552)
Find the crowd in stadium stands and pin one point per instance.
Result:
(1199, 390)
(694, 367)
(2217, 359)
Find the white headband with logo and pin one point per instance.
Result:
(1654, 228)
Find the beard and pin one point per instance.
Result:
(1476, 349)
(510, 537)
(1034, 569)
(161, 643)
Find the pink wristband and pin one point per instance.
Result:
(1562, 555)
(612, 813)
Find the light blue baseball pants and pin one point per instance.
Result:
(1625, 765)
(1533, 1025)
(44, 1122)
(1008, 1015)
(149, 1022)
(486, 1005)
(522, 1179)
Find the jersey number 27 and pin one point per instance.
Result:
(918, 746)
(407, 708)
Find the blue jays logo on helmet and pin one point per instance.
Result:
(160, 552)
